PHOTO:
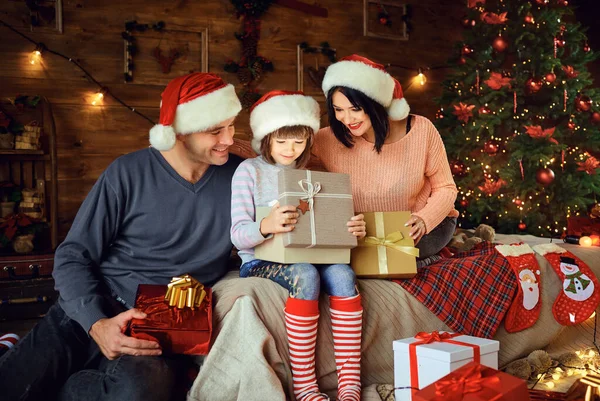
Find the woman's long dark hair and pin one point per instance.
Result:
(376, 112)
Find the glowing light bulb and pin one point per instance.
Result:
(585, 241)
(592, 353)
(556, 376)
(570, 372)
(550, 384)
(35, 57)
(97, 98)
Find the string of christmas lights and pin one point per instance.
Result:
(36, 57)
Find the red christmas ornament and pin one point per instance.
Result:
(518, 202)
(529, 19)
(583, 103)
(542, 2)
(383, 21)
(550, 77)
(534, 85)
(586, 48)
(571, 125)
(485, 110)
(462, 61)
(522, 226)
(596, 117)
(544, 176)
(466, 50)
(560, 41)
(491, 147)
(500, 44)
(458, 168)
(439, 115)
(563, 3)
(464, 203)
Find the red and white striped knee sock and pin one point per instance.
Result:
(301, 323)
(346, 323)
(7, 341)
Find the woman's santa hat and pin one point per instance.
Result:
(277, 109)
(193, 103)
(362, 74)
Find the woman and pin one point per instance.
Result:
(396, 161)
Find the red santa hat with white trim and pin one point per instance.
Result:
(277, 109)
(193, 103)
(370, 78)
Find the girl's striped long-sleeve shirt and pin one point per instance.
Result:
(254, 184)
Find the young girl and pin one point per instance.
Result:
(283, 125)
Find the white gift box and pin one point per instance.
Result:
(437, 359)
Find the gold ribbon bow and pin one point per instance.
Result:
(185, 292)
(391, 241)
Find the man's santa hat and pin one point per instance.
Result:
(362, 74)
(277, 109)
(193, 103)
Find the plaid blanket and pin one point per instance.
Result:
(470, 291)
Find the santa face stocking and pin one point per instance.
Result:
(525, 308)
(580, 296)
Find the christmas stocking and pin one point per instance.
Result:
(301, 322)
(580, 296)
(525, 308)
(346, 323)
(7, 341)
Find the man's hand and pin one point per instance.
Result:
(281, 219)
(357, 226)
(110, 337)
(417, 229)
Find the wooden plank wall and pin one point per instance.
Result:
(90, 137)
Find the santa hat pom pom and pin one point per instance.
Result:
(399, 109)
(162, 137)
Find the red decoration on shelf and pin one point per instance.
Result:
(522, 226)
(544, 176)
(583, 103)
(458, 168)
(500, 44)
(534, 85)
(550, 77)
(491, 147)
(485, 110)
(589, 165)
(463, 111)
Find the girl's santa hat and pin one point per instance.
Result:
(362, 74)
(277, 109)
(193, 103)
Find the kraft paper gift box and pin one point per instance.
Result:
(475, 382)
(178, 331)
(325, 205)
(388, 250)
(427, 357)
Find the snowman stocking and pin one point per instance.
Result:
(580, 295)
(525, 308)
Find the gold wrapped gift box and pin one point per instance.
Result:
(388, 250)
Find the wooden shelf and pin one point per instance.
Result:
(20, 152)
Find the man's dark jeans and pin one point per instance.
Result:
(58, 360)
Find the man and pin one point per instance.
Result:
(153, 214)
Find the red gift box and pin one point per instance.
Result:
(475, 382)
(178, 331)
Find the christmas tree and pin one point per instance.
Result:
(520, 119)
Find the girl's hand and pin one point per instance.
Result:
(281, 219)
(418, 228)
(357, 226)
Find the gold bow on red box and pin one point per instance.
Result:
(185, 292)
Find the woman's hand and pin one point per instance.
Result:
(357, 226)
(281, 219)
(418, 228)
